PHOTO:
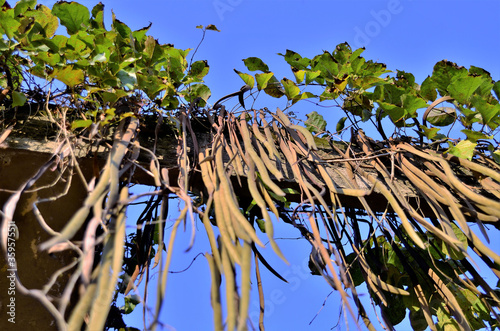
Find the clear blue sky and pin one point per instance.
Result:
(406, 35)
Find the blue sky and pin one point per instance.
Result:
(406, 35)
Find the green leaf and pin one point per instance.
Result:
(140, 35)
(417, 320)
(411, 302)
(474, 136)
(487, 110)
(18, 99)
(484, 89)
(311, 76)
(290, 190)
(45, 22)
(111, 96)
(303, 96)
(149, 47)
(170, 102)
(59, 41)
(274, 88)
(199, 69)
(295, 60)
(357, 65)
(254, 63)
(101, 57)
(365, 83)
(327, 65)
(442, 116)
(248, 79)
(444, 73)
(474, 309)
(8, 25)
(496, 157)
(73, 16)
(80, 124)
(356, 54)
(123, 30)
(429, 133)
(199, 91)
(98, 16)
(451, 252)
(428, 89)
(315, 122)
(22, 6)
(49, 58)
(263, 79)
(395, 312)
(262, 225)
(69, 76)
(462, 88)
(355, 269)
(127, 78)
(150, 84)
(340, 124)
(411, 103)
(496, 89)
(445, 322)
(131, 301)
(397, 114)
(464, 149)
(342, 53)
(3, 46)
(76, 48)
(330, 93)
(291, 90)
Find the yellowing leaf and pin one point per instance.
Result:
(291, 90)
(81, 124)
(248, 79)
(464, 149)
(69, 76)
(263, 79)
(299, 75)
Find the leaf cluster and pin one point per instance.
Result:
(367, 91)
(95, 66)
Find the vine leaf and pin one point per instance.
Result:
(18, 98)
(263, 79)
(474, 136)
(8, 25)
(464, 149)
(442, 116)
(73, 16)
(248, 79)
(291, 90)
(315, 122)
(255, 63)
(462, 88)
(212, 27)
(69, 76)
